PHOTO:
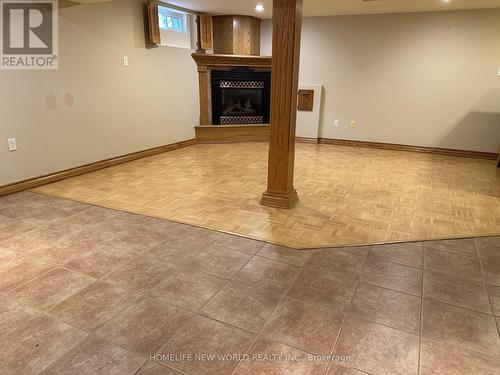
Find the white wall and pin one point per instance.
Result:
(425, 79)
(93, 107)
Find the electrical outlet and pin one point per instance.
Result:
(336, 123)
(125, 60)
(12, 144)
(353, 124)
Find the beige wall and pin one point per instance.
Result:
(93, 107)
(424, 79)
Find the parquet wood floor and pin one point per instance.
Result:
(348, 195)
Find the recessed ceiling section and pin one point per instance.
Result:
(335, 7)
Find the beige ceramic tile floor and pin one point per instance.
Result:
(86, 290)
(348, 195)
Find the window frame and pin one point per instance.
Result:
(166, 12)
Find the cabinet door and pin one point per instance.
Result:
(305, 101)
(153, 23)
(205, 32)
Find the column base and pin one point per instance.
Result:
(279, 199)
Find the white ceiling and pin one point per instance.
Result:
(334, 7)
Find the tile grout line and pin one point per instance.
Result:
(264, 325)
(429, 298)
(139, 295)
(159, 364)
(227, 282)
(47, 310)
(283, 261)
(90, 334)
(246, 284)
(62, 355)
(7, 294)
(383, 324)
(392, 290)
(397, 263)
(463, 348)
(419, 363)
(460, 307)
(144, 294)
(181, 268)
(300, 268)
(497, 321)
(346, 313)
(197, 313)
(194, 313)
(239, 328)
(451, 252)
(139, 370)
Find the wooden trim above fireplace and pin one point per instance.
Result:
(211, 60)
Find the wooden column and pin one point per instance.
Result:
(287, 24)
(203, 82)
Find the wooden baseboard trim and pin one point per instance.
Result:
(397, 147)
(307, 140)
(34, 182)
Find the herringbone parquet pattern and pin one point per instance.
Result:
(348, 195)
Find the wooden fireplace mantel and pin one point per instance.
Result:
(212, 60)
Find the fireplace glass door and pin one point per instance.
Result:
(243, 103)
(240, 96)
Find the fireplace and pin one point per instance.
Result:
(240, 96)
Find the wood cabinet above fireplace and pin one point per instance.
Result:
(236, 35)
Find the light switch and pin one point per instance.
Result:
(498, 72)
(12, 144)
(125, 60)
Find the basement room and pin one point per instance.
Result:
(250, 187)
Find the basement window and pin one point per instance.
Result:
(176, 28)
(172, 20)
